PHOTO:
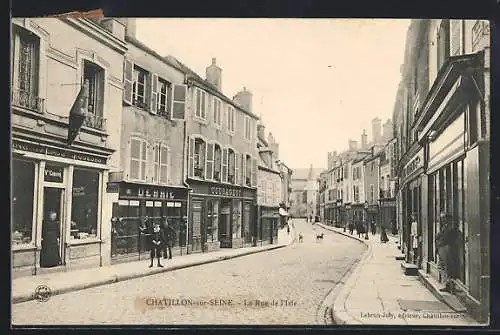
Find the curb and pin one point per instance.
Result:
(117, 278)
(339, 313)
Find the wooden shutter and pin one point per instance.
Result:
(455, 40)
(179, 102)
(154, 94)
(99, 108)
(210, 161)
(128, 69)
(224, 165)
(191, 158)
(237, 168)
(254, 172)
(169, 105)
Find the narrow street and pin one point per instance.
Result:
(297, 278)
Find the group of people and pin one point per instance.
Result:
(160, 239)
(361, 228)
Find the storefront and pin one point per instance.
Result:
(58, 208)
(411, 200)
(268, 226)
(373, 215)
(388, 214)
(358, 214)
(136, 202)
(221, 216)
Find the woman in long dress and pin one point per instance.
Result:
(383, 235)
(49, 256)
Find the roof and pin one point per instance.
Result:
(302, 173)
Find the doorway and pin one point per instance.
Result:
(52, 252)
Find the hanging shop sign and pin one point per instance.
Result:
(413, 165)
(54, 174)
(56, 152)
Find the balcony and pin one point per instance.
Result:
(94, 121)
(27, 100)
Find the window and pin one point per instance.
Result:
(94, 74)
(230, 119)
(231, 167)
(23, 193)
(164, 91)
(138, 157)
(217, 162)
(139, 83)
(248, 131)
(248, 171)
(213, 220)
(217, 111)
(201, 104)
(84, 204)
(160, 173)
(372, 193)
(25, 67)
(199, 158)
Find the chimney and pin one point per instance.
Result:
(129, 24)
(115, 26)
(388, 130)
(364, 140)
(261, 131)
(273, 146)
(353, 145)
(214, 74)
(330, 160)
(377, 130)
(244, 99)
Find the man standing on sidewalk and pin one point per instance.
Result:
(446, 242)
(169, 235)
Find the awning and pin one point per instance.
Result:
(283, 212)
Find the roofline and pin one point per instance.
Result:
(140, 45)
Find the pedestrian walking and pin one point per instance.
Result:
(414, 238)
(351, 228)
(373, 227)
(157, 240)
(394, 228)
(310, 218)
(447, 243)
(383, 235)
(169, 234)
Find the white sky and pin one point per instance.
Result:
(316, 82)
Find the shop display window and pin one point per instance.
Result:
(85, 204)
(23, 192)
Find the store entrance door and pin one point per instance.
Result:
(52, 253)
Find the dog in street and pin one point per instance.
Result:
(301, 238)
(319, 237)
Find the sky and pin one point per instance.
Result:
(316, 83)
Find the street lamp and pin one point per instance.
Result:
(366, 220)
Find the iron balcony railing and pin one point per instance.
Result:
(27, 100)
(94, 121)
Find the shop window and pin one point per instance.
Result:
(139, 87)
(25, 67)
(231, 167)
(23, 193)
(125, 232)
(138, 158)
(160, 171)
(84, 204)
(236, 218)
(95, 76)
(217, 162)
(213, 219)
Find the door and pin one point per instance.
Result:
(52, 252)
(197, 216)
(225, 234)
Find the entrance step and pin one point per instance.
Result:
(435, 287)
(409, 269)
(400, 258)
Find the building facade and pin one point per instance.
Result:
(445, 142)
(388, 183)
(61, 210)
(151, 182)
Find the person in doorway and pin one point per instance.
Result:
(383, 235)
(414, 237)
(157, 241)
(373, 227)
(447, 244)
(169, 235)
(310, 218)
(49, 256)
(394, 228)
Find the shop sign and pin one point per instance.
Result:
(150, 192)
(112, 187)
(414, 164)
(225, 191)
(56, 152)
(54, 174)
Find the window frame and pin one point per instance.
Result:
(231, 149)
(247, 128)
(201, 98)
(217, 113)
(140, 160)
(231, 119)
(159, 146)
(136, 70)
(166, 112)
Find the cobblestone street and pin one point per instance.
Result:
(298, 277)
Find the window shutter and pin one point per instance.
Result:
(154, 94)
(224, 165)
(191, 158)
(243, 169)
(129, 161)
(237, 168)
(210, 161)
(101, 82)
(455, 37)
(179, 102)
(254, 172)
(128, 69)
(169, 101)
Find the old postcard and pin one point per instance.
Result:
(250, 171)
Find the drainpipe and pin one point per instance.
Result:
(184, 167)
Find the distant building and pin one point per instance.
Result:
(304, 188)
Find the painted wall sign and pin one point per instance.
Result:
(413, 165)
(225, 191)
(152, 192)
(54, 174)
(56, 152)
(112, 187)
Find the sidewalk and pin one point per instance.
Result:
(378, 293)
(23, 288)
